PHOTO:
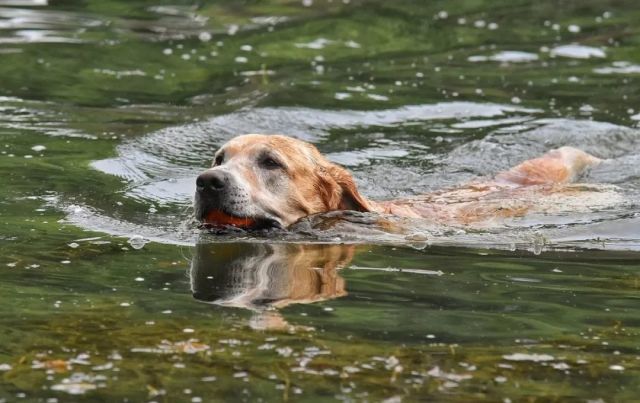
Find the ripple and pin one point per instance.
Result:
(39, 24)
(159, 169)
(19, 114)
(181, 152)
(575, 51)
(21, 25)
(507, 56)
(619, 68)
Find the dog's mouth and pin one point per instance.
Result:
(222, 219)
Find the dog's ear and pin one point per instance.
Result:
(339, 191)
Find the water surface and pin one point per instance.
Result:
(108, 110)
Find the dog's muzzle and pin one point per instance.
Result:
(221, 202)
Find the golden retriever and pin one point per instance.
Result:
(259, 181)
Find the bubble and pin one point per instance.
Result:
(586, 108)
(233, 29)
(573, 28)
(137, 241)
(204, 36)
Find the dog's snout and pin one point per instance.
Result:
(211, 181)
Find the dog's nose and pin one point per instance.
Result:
(211, 181)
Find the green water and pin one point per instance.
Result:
(109, 292)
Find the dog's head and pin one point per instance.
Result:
(272, 181)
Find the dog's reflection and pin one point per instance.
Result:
(261, 277)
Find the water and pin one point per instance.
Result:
(108, 110)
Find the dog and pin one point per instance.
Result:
(261, 181)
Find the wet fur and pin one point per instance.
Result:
(312, 184)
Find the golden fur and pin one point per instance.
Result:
(304, 182)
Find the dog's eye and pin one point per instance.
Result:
(218, 161)
(271, 163)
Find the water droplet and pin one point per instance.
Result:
(479, 24)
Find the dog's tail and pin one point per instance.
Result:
(562, 165)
